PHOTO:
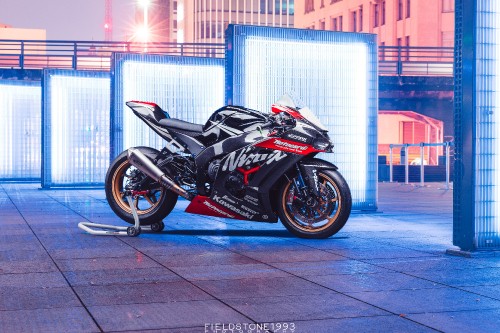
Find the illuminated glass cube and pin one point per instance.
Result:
(188, 88)
(20, 130)
(75, 127)
(333, 73)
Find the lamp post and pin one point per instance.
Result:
(144, 31)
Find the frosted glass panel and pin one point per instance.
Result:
(487, 165)
(76, 127)
(188, 88)
(333, 73)
(20, 130)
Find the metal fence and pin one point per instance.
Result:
(86, 55)
(83, 55)
(406, 146)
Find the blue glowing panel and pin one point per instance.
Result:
(20, 130)
(75, 127)
(487, 166)
(188, 88)
(333, 73)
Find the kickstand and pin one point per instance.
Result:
(112, 230)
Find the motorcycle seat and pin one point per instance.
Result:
(181, 125)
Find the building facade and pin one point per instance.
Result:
(396, 22)
(205, 21)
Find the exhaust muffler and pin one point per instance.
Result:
(144, 164)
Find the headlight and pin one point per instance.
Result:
(323, 144)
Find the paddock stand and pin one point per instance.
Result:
(112, 230)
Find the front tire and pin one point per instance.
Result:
(152, 206)
(310, 216)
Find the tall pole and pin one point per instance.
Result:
(108, 20)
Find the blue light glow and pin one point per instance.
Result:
(20, 130)
(76, 127)
(187, 88)
(487, 166)
(333, 73)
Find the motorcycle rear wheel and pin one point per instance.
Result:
(152, 207)
(310, 216)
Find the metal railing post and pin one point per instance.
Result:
(400, 63)
(21, 56)
(421, 164)
(447, 165)
(406, 165)
(390, 163)
(75, 51)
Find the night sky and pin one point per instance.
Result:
(68, 19)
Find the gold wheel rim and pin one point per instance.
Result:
(331, 220)
(117, 186)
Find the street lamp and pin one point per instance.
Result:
(144, 32)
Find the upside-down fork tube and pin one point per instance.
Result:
(141, 162)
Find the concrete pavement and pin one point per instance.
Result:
(384, 272)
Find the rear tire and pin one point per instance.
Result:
(152, 207)
(329, 213)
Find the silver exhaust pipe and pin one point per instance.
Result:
(144, 164)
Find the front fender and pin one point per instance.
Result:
(309, 169)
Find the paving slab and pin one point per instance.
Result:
(28, 298)
(137, 261)
(204, 259)
(328, 267)
(42, 280)
(140, 293)
(292, 256)
(223, 272)
(68, 319)
(374, 324)
(426, 300)
(372, 282)
(261, 287)
(308, 307)
(31, 266)
(164, 315)
(121, 276)
(480, 321)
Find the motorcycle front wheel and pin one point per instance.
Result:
(307, 215)
(153, 203)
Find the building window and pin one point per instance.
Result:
(334, 24)
(322, 4)
(309, 6)
(175, 24)
(175, 5)
(202, 30)
(376, 15)
(340, 23)
(448, 6)
(322, 25)
(383, 13)
(382, 51)
(354, 20)
(408, 6)
(447, 38)
(400, 10)
(360, 18)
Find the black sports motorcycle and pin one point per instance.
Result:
(242, 164)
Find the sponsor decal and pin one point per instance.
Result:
(233, 208)
(217, 210)
(315, 177)
(297, 137)
(237, 160)
(298, 148)
(287, 145)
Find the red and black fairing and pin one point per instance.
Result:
(241, 153)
